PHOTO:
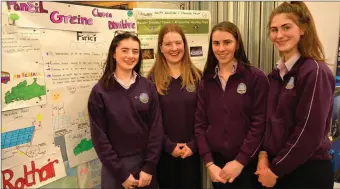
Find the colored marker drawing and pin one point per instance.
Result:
(83, 146)
(12, 18)
(25, 92)
(17, 137)
(5, 77)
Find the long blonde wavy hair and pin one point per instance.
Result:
(160, 71)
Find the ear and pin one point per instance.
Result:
(114, 55)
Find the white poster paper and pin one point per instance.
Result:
(79, 147)
(69, 108)
(63, 16)
(22, 74)
(26, 134)
(35, 173)
(78, 58)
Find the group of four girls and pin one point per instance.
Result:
(251, 130)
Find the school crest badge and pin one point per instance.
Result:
(290, 83)
(190, 88)
(144, 97)
(241, 88)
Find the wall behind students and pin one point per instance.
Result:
(252, 19)
(327, 20)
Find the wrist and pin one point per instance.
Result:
(239, 164)
(209, 164)
(263, 154)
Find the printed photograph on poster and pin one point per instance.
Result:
(79, 147)
(196, 51)
(35, 173)
(22, 75)
(26, 134)
(148, 54)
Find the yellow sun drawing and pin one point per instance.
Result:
(56, 96)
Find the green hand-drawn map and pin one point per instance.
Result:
(25, 92)
(83, 146)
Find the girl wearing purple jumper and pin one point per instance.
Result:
(125, 118)
(300, 104)
(230, 114)
(176, 79)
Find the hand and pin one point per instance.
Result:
(130, 182)
(144, 179)
(262, 165)
(178, 150)
(231, 170)
(186, 152)
(214, 172)
(267, 178)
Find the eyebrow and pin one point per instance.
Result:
(214, 41)
(286, 24)
(172, 41)
(125, 48)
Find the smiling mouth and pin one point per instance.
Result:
(129, 63)
(173, 54)
(222, 56)
(281, 42)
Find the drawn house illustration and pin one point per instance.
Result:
(17, 137)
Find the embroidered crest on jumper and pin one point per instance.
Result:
(190, 88)
(290, 83)
(144, 97)
(241, 88)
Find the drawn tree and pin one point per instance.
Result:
(13, 17)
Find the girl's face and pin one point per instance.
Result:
(223, 46)
(127, 54)
(285, 34)
(173, 48)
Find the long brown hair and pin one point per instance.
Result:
(160, 71)
(309, 45)
(111, 64)
(240, 54)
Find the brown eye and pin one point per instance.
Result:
(273, 30)
(216, 43)
(285, 28)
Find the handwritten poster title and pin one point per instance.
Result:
(79, 17)
(31, 7)
(32, 175)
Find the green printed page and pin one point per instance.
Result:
(190, 26)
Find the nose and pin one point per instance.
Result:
(221, 48)
(130, 54)
(173, 47)
(279, 34)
